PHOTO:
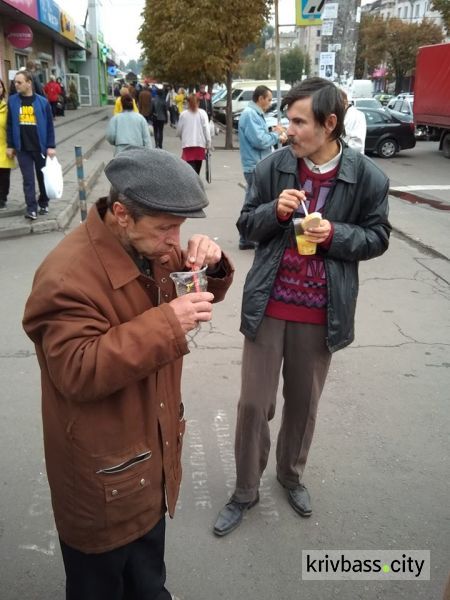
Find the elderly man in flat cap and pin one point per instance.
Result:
(110, 336)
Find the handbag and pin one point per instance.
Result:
(53, 178)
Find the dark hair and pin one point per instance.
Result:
(326, 100)
(127, 101)
(3, 93)
(28, 76)
(135, 210)
(261, 90)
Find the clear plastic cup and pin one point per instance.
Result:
(187, 282)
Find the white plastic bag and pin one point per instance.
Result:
(53, 178)
(212, 128)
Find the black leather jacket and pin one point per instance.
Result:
(358, 208)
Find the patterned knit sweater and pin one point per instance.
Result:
(299, 292)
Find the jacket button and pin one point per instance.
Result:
(167, 443)
(162, 405)
(114, 492)
(166, 296)
(147, 285)
(142, 482)
(163, 279)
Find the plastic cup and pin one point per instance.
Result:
(304, 247)
(187, 282)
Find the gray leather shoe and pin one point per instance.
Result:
(231, 516)
(299, 499)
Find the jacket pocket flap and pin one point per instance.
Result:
(124, 487)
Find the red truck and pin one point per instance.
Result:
(432, 92)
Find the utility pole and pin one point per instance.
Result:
(277, 60)
(93, 10)
(339, 40)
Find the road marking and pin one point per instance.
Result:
(197, 460)
(418, 188)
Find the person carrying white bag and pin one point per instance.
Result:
(31, 138)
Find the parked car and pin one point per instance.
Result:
(383, 98)
(387, 134)
(366, 103)
(404, 104)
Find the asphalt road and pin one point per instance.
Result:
(379, 466)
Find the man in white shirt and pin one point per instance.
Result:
(354, 124)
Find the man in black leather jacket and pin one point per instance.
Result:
(297, 309)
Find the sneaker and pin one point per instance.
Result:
(43, 210)
(31, 215)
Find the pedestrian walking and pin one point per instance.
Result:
(6, 163)
(204, 101)
(31, 137)
(53, 92)
(193, 129)
(145, 102)
(73, 94)
(118, 104)
(128, 128)
(110, 336)
(299, 302)
(355, 125)
(256, 141)
(159, 117)
(61, 103)
(37, 85)
(180, 100)
(172, 106)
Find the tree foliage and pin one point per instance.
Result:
(190, 42)
(443, 7)
(294, 64)
(393, 42)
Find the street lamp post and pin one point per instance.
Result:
(277, 60)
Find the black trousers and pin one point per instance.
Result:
(158, 130)
(132, 572)
(28, 160)
(196, 165)
(5, 175)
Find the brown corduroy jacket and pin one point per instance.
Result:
(110, 351)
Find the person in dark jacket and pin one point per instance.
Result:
(159, 116)
(298, 308)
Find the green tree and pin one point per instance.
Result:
(294, 64)
(402, 43)
(257, 65)
(185, 41)
(443, 7)
(371, 49)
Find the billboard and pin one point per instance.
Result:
(49, 14)
(29, 7)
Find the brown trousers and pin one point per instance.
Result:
(302, 351)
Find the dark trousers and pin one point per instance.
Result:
(249, 180)
(158, 130)
(5, 175)
(300, 350)
(135, 571)
(196, 165)
(28, 163)
(53, 107)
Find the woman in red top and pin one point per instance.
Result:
(53, 90)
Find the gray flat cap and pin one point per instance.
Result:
(159, 180)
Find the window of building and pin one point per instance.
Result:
(317, 47)
(316, 61)
(21, 60)
(318, 32)
(416, 10)
(405, 12)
